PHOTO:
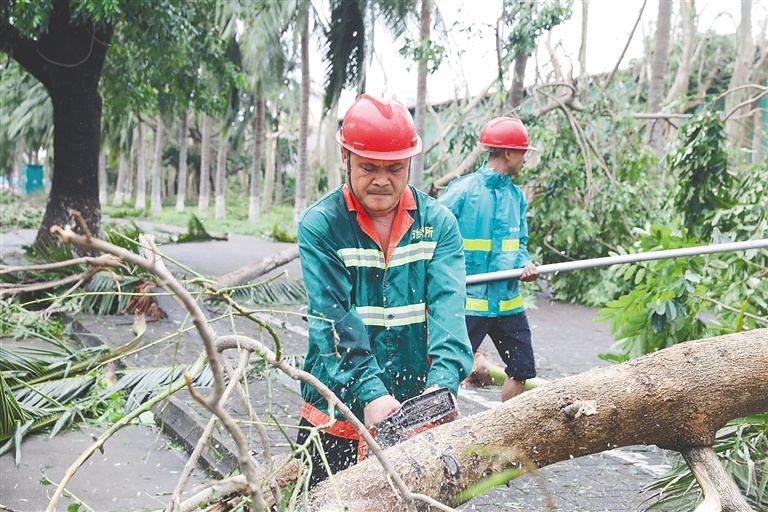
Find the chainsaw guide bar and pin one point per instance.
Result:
(416, 414)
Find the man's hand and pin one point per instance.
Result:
(530, 273)
(379, 409)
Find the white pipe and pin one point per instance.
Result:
(623, 258)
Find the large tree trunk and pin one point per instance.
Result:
(583, 74)
(141, 167)
(685, 68)
(676, 399)
(301, 172)
(254, 202)
(155, 195)
(515, 98)
(181, 181)
(204, 194)
(735, 125)
(417, 167)
(68, 63)
(269, 171)
(654, 136)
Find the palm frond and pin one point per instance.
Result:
(11, 414)
(345, 49)
(106, 293)
(276, 291)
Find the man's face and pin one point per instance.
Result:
(377, 184)
(515, 161)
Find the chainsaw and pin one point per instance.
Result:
(416, 415)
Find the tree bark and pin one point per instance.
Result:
(583, 74)
(181, 180)
(122, 171)
(685, 68)
(102, 178)
(155, 196)
(735, 125)
(246, 274)
(301, 171)
(254, 202)
(204, 194)
(269, 171)
(331, 148)
(676, 398)
(220, 207)
(654, 135)
(417, 166)
(141, 167)
(515, 98)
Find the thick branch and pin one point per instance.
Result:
(243, 275)
(720, 493)
(676, 398)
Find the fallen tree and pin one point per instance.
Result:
(676, 399)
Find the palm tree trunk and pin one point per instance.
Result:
(278, 188)
(301, 172)
(417, 167)
(269, 172)
(204, 195)
(332, 149)
(102, 178)
(654, 136)
(254, 206)
(181, 182)
(141, 172)
(156, 200)
(122, 170)
(220, 208)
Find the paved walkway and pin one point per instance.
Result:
(566, 340)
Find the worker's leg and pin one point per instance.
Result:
(511, 388)
(512, 336)
(477, 328)
(340, 453)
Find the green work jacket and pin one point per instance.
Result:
(377, 326)
(491, 211)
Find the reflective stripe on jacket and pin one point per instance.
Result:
(377, 326)
(490, 210)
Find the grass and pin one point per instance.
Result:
(276, 223)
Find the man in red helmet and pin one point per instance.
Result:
(491, 211)
(384, 269)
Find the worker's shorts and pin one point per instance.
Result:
(512, 337)
(339, 452)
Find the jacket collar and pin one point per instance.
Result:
(492, 179)
(400, 225)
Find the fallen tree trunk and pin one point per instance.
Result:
(246, 274)
(676, 399)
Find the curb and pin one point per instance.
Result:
(174, 417)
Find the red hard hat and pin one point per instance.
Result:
(505, 132)
(379, 129)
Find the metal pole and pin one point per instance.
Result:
(623, 258)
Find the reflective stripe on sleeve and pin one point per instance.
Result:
(510, 245)
(477, 244)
